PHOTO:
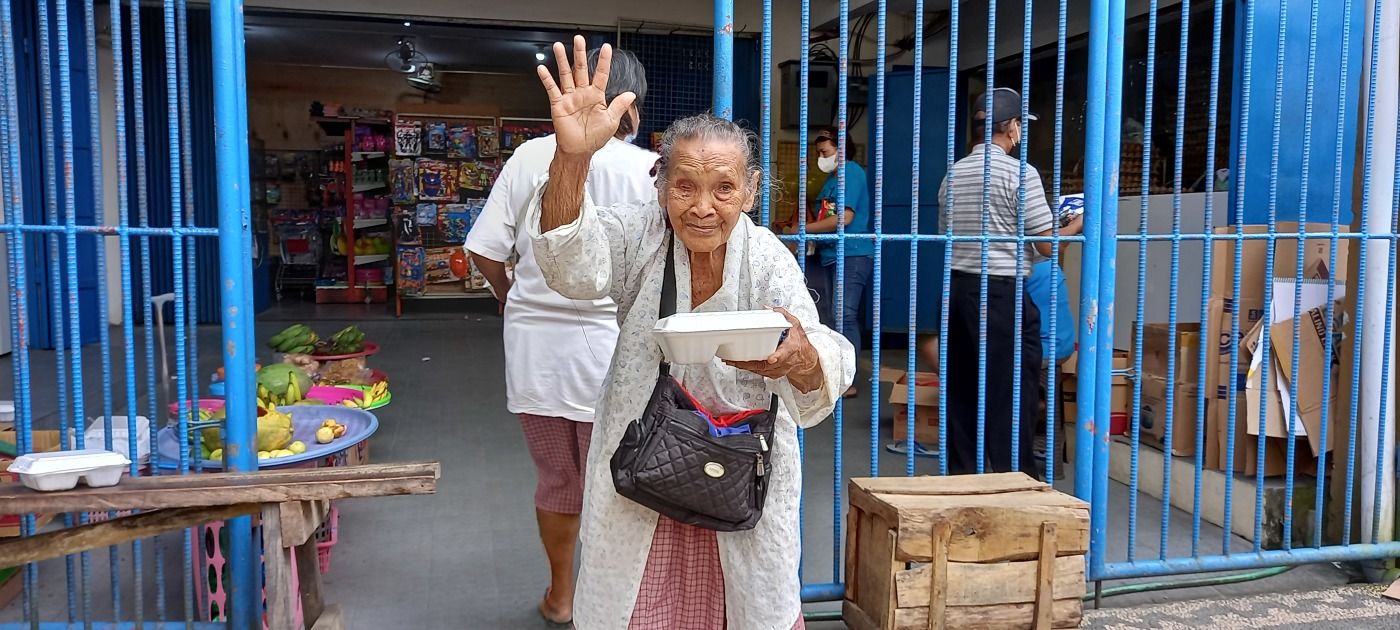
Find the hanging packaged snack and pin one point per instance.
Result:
(406, 228)
(410, 281)
(437, 136)
(403, 181)
(488, 142)
(437, 180)
(408, 138)
(426, 214)
(458, 139)
(454, 221)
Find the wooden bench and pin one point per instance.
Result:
(292, 503)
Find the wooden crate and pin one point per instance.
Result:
(977, 551)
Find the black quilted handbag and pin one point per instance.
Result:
(669, 460)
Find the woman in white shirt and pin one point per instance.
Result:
(558, 349)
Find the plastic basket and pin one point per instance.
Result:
(210, 546)
(326, 536)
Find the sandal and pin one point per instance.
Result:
(550, 622)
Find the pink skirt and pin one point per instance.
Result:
(683, 584)
(559, 447)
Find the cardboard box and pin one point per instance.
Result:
(1122, 389)
(1152, 416)
(1248, 311)
(1156, 351)
(925, 407)
(1314, 367)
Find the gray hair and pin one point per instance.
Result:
(626, 74)
(710, 127)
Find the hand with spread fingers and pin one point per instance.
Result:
(584, 121)
(795, 359)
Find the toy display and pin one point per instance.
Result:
(454, 220)
(437, 180)
(408, 138)
(437, 137)
(411, 270)
(406, 228)
(403, 181)
(437, 265)
(488, 142)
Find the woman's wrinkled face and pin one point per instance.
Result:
(706, 191)
(826, 149)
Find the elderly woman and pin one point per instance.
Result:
(641, 570)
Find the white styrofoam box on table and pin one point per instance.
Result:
(61, 470)
(96, 437)
(696, 338)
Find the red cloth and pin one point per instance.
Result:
(719, 421)
(683, 584)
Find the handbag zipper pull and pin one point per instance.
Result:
(760, 464)
(762, 443)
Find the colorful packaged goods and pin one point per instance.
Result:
(437, 180)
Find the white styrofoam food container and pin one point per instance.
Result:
(96, 436)
(61, 470)
(696, 338)
(7, 411)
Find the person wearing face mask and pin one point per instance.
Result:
(981, 196)
(558, 349)
(859, 252)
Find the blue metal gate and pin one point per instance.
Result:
(1248, 163)
(75, 240)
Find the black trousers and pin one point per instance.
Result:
(960, 377)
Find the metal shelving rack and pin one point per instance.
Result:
(343, 184)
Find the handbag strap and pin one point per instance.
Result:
(668, 293)
(668, 283)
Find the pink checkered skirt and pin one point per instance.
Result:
(683, 584)
(559, 447)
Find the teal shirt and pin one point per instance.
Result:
(858, 200)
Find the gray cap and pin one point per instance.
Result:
(1006, 105)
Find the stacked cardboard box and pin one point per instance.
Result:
(1243, 317)
(1180, 385)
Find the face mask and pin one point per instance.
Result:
(826, 164)
(631, 138)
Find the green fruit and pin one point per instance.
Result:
(284, 384)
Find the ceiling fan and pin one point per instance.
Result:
(405, 58)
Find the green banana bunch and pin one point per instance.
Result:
(296, 339)
(348, 341)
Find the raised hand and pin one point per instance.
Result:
(584, 121)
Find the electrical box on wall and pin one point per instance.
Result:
(821, 98)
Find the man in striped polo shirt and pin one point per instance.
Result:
(981, 195)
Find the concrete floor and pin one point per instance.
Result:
(468, 557)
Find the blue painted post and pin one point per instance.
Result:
(724, 59)
(230, 124)
(1107, 273)
(1084, 471)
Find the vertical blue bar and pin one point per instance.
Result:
(1308, 102)
(1231, 383)
(124, 247)
(138, 111)
(1149, 97)
(946, 203)
(52, 156)
(1052, 379)
(882, 7)
(1329, 346)
(803, 91)
(1265, 373)
(766, 113)
(839, 278)
(230, 125)
(1085, 428)
(983, 288)
(915, 159)
(1183, 44)
(13, 190)
(1108, 267)
(1207, 253)
(724, 59)
(1368, 162)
